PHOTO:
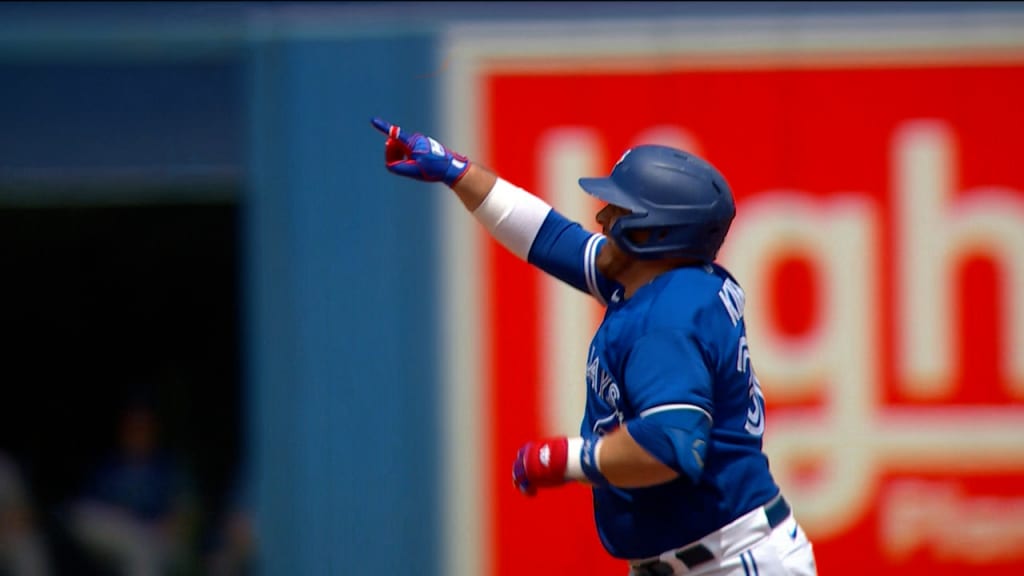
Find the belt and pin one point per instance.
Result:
(777, 510)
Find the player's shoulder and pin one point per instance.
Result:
(691, 297)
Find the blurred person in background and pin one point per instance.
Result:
(22, 549)
(233, 543)
(137, 512)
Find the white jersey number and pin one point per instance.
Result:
(755, 413)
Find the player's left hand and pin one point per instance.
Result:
(540, 464)
(420, 157)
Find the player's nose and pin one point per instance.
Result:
(606, 218)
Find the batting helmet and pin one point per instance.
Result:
(682, 200)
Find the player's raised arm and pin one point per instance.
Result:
(523, 223)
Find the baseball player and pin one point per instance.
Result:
(671, 436)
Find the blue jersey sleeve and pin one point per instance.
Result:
(665, 371)
(565, 250)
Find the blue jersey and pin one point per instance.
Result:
(678, 343)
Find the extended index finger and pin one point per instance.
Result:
(386, 127)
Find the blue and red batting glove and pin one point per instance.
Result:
(540, 464)
(420, 157)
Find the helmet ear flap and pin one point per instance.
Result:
(654, 242)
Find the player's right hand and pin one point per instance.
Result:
(420, 157)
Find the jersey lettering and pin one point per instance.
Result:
(733, 298)
(755, 413)
(743, 356)
(604, 387)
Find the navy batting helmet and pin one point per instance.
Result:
(681, 199)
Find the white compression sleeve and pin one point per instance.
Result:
(573, 468)
(512, 216)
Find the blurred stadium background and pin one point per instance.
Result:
(233, 344)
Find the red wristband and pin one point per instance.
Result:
(545, 461)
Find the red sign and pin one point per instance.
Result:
(880, 239)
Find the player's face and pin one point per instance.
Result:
(612, 261)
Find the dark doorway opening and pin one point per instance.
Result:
(102, 305)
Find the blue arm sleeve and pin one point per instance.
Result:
(566, 251)
(677, 438)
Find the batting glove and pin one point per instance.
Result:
(540, 464)
(420, 157)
